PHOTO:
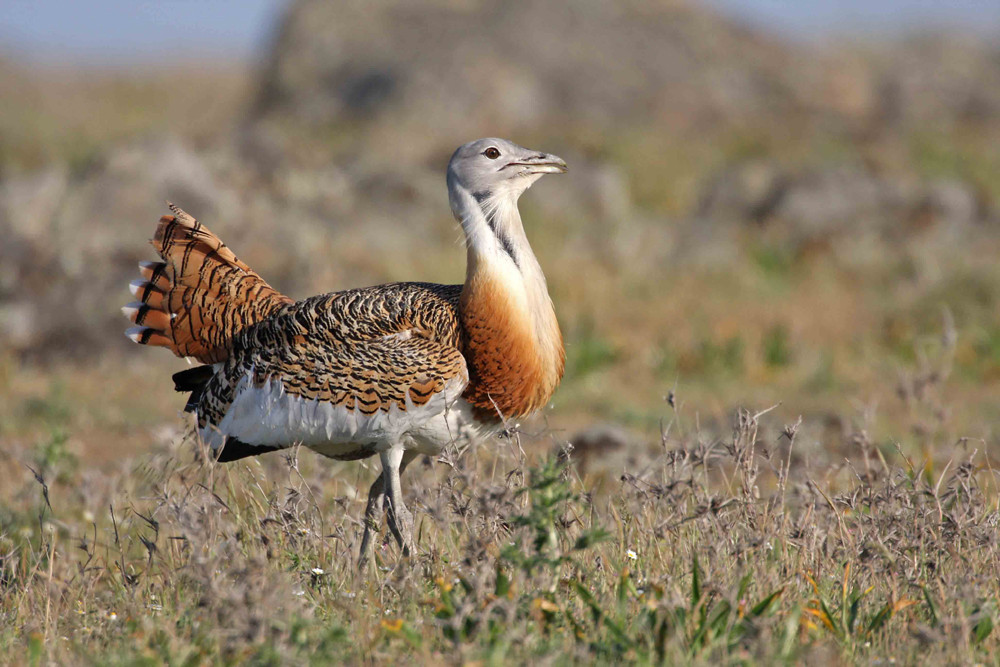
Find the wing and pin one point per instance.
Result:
(341, 398)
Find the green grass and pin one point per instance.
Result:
(704, 551)
(866, 534)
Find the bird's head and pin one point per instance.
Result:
(491, 169)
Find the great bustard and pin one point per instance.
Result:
(393, 370)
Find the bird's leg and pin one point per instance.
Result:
(373, 511)
(400, 519)
(408, 456)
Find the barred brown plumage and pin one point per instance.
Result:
(200, 295)
(394, 370)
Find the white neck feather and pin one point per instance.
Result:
(497, 245)
(495, 238)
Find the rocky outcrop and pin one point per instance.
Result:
(70, 241)
(416, 77)
(819, 205)
(337, 164)
(436, 73)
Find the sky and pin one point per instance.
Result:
(805, 18)
(120, 32)
(123, 32)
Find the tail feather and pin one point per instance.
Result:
(146, 315)
(148, 293)
(148, 336)
(154, 272)
(199, 296)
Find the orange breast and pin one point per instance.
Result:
(512, 372)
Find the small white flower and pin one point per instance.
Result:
(631, 555)
(112, 616)
(317, 571)
(299, 593)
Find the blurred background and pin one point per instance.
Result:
(768, 202)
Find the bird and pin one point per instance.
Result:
(395, 371)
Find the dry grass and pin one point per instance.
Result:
(63, 115)
(864, 532)
(704, 548)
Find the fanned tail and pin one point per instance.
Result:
(199, 296)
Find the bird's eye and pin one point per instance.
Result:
(492, 153)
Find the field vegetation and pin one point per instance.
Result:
(697, 550)
(776, 439)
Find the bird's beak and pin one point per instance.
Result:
(543, 163)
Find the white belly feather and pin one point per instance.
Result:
(267, 415)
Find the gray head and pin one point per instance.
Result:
(496, 169)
